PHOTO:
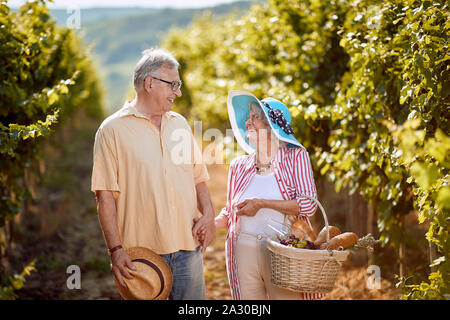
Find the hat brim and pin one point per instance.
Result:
(238, 112)
(155, 259)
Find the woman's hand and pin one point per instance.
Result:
(248, 207)
(221, 222)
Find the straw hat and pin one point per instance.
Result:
(277, 114)
(152, 279)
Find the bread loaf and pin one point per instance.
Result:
(301, 229)
(344, 240)
(322, 237)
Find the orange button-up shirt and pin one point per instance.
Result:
(152, 175)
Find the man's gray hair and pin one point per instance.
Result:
(152, 60)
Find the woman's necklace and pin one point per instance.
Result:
(263, 169)
(266, 168)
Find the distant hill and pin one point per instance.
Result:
(119, 35)
(93, 15)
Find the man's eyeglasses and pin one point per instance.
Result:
(174, 84)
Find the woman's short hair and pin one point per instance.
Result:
(152, 60)
(256, 108)
(260, 112)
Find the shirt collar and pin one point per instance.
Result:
(250, 161)
(252, 157)
(129, 109)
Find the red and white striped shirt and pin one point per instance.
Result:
(294, 176)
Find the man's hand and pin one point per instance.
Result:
(204, 231)
(107, 214)
(120, 264)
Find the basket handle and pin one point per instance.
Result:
(323, 214)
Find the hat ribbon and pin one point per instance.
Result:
(158, 271)
(276, 116)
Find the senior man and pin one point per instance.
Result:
(149, 180)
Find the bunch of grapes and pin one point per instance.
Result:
(295, 242)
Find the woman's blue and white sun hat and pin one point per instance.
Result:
(276, 112)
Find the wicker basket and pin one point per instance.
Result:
(305, 270)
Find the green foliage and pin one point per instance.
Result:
(384, 68)
(46, 77)
(41, 65)
(280, 49)
(428, 163)
(399, 71)
(352, 72)
(16, 282)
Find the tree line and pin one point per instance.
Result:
(47, 79)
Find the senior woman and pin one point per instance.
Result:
(264, 188)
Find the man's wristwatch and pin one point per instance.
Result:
(112, 250)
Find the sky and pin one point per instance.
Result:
(128, 3)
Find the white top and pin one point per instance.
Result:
(262, 187)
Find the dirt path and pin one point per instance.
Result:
(79, 244)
